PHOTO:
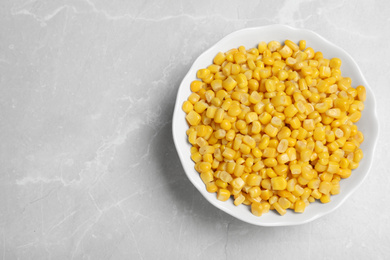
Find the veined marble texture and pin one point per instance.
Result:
(88, 169)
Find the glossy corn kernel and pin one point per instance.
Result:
(193, 118)
(279, 208)
(223, 194)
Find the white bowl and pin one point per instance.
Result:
(368, 124)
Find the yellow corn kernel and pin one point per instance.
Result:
(354, 117)
(219, 58)
(349, 147)
(281, 169)
(237, 143)
(211, 187)
(230, 167)
(302, 45)
(299, 206)
(202, 73)
(229, 84)
(221, 184)
(193, 149)
(345, 173)
(239, 199)
(325, 187)
(333, 167)
(286, 51)
(257, 209)
(316, 194)
(279, 208)
(216, 102)
(284, 203)
(274, 46)
(344, 163)
(254, 192)
(200, 106)
(284, 133)
(265, 194)
(193, 118)
(238, 183)
(310, 52)
(265, 118)
(301, 134)
(207, 176)
(270, 85)
(196, 157)
(219, 134)
(326, 176)
(241, 80)
(270, 130)
(219, 76)
(361, 93)
(226, 104)
(229, 153)
(324, 71)
(225, 125)
(207, 149)
(261, 47)
(291, 152)
(259, 108)
(305, 193)
(249, 141)
(257, 152)
(253, 179)
(234, 110)
(238, 170)
(250, 117)
(223, 194)
(204, 166)
(196, 85)
(273, 143)
(277, 122)
(278, 183)
(358, 156)
(236, 68)
(209, 95)
(305, 155)
(255, 97)
(230, 135)
(314, 184)
(192, 138)
(219, 114)
(282, 146)
(298, 190)
(225, 176)
(325, 198)
(335, 63)
(335, 188)
(295, 123)
(281, 101)
(245, 149)
(239, 57)
(270, 162)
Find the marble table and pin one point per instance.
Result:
(88, 169)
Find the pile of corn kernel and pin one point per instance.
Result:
(273, 126)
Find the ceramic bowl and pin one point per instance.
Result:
(368, 123)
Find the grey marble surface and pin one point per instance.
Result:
(88, 169)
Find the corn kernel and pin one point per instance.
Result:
(279, 208)
(223, 194)
(253, 180)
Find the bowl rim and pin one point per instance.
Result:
(213, 200)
